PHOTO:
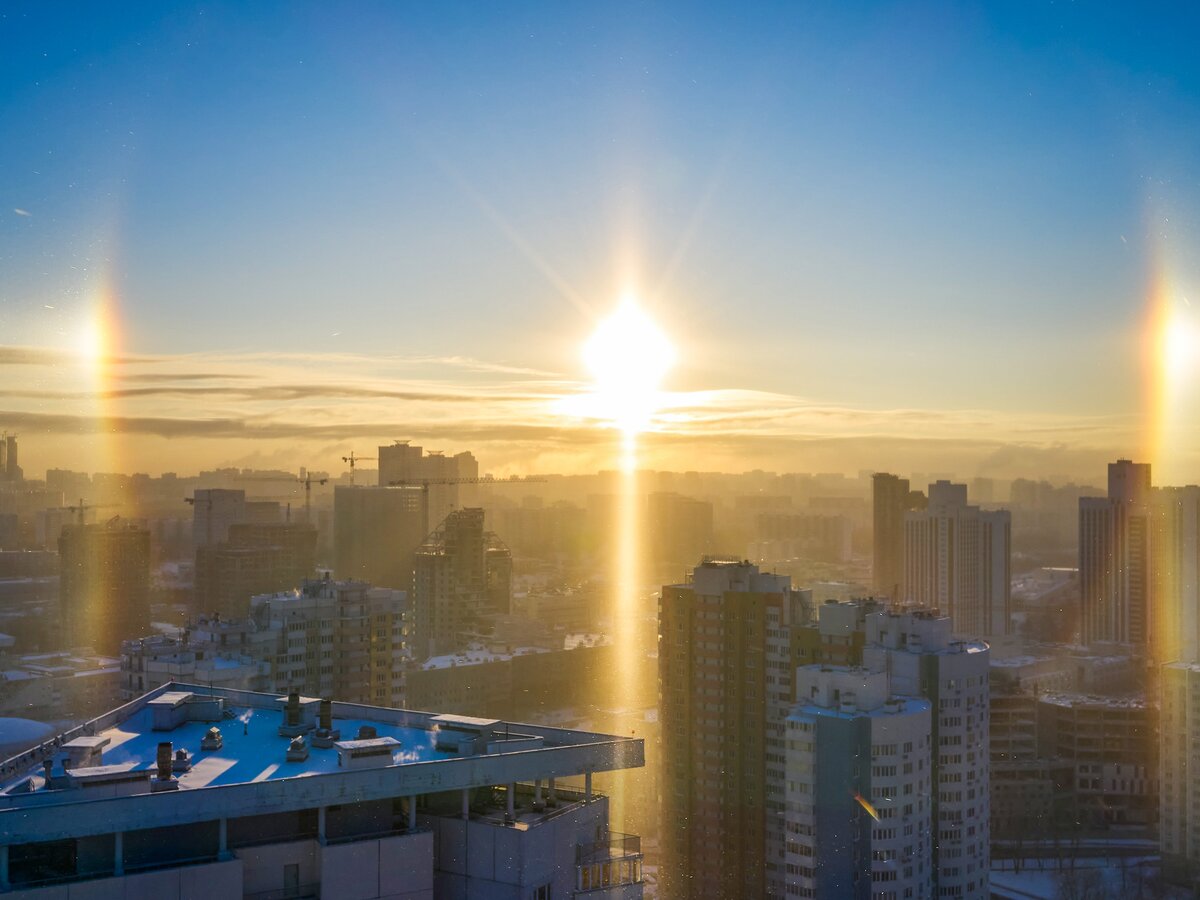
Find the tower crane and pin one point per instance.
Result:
(308, 481)
(352, 459)
(82, 506)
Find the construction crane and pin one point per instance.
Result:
(81, 506)
(207, 519)
(352, 459)
(308, 481)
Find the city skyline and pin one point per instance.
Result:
(955, 238)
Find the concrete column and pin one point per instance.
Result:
(512, 800)
(223, 838)
(553, 801)
(119, 853)
(4, 867)
(587, 786)
(320, 824)
(537, 793)
(412, 812)
(466, 803)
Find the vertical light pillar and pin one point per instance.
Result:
(412, 813)
(222, 838)
(553, 801)
(537, 793)
(512, 800)
(466, 803)
(119, 853)
(587, 786)
(320, 824)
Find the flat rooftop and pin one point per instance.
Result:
(422, 753)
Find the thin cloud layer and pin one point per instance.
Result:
(168, 410)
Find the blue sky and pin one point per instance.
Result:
(882, 206)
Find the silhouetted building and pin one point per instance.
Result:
(375, 532)
(10, 470)
(256, 559)
(958, 560)
(213, 511)
(1175, 581)
(677, 529)
(461, 573)
(1115, 558)
(403, 464)
(890, 502)
(104, 586)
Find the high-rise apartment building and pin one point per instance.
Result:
(859, 779)
(890, 501)
(677, 530)
(730, 643)
(924, 659)
(1179, 747)
(104, 586)
(213, 511)
(1116, 579)
(1175, 546)
(725, 686)
(256, 559)
(10, 470)
(376, 530)
(327, 638)
(957, 559)
(461, 573)
(444, 478)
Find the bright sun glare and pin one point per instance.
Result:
(628, 356)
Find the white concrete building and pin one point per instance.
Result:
(196, 792)
(327, 638)
(924, 659)
(858, 788)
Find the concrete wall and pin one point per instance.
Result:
(391, 867)
(497, 861)
(219, 879)
(263, 866)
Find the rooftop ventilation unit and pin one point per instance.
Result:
(369, 753)
(173, 708)
(326, 735)
(299, 714)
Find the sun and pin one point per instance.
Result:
(628, 356)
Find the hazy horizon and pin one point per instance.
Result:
(949, 238)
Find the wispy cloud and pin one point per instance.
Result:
(312, 407)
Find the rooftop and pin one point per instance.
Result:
(411, 752)
(1095, 701)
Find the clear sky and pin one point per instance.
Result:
(880, 234)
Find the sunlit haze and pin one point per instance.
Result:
(624, 450)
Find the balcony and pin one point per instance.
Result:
(608, 864)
